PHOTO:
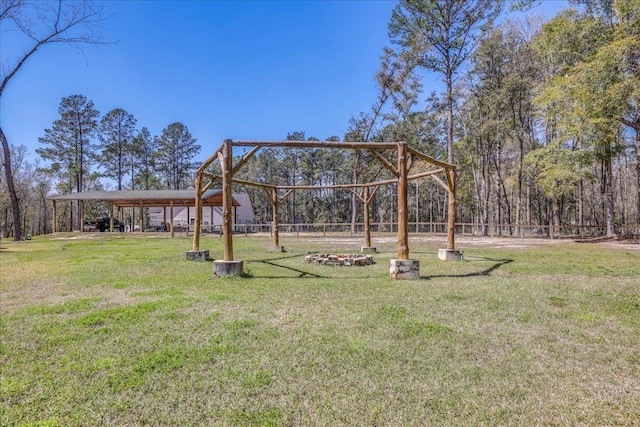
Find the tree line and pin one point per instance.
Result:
(542, 120)
(82, 148)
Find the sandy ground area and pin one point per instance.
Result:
(461, 241)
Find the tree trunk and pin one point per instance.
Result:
(608, 188)
(13, 196)
(638, 178)
(635, 125)
(449, 79)
(518, 230)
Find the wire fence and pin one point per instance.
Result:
(422, 228)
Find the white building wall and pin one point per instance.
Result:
(182, 215)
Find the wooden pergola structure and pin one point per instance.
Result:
(443, 173)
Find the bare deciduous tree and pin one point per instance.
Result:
(41, 23)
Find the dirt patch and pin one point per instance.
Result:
(349, 241)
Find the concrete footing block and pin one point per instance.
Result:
(227, 268)
(198, 255)
(404, 269)
(368, 250)
(275, 248)
(450, 254)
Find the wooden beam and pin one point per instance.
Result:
(243, 182)
(367, 225)
(208, 185)
(244, 160)
(360, 197)
(410, 162)
(430, 159)
(171, 217)
(403, 213)
(321, 187)
(274, 224)
(318, 144)
(286, 194)
(373, 193)
(269, 192)
(198, 219)
(111, 217)
(141, 217)
(425, 174)
(451, 180)
(451, 214)
(81, 219)
(227, 205)
(210, 160)
(441, 182)
(369, 184)
(386, 163)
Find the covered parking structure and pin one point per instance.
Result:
(143, 199)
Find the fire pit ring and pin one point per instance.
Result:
(346, 260)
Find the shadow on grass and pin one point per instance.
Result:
(305, 274)
(301, 273)
(486, 272)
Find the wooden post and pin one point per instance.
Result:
(110, 217)
(227, 153)
(274, 224)
(164, 217)
(141, 218)
(367, 224)
(54, 220)
(171, 217)
(403, 213)
(81, 216)
(451, 215)
(198, 219)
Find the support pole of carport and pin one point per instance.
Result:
(110, 217)
(81, 215)
(141, 218)
(171, 217)
(227, 266)
(164, 218)
(403, 267)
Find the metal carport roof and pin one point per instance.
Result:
(148, 198)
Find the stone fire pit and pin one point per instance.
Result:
(340, 259)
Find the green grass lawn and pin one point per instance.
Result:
(114, 330)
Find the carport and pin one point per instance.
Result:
(141, 199)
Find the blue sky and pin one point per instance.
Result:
(240, 70)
